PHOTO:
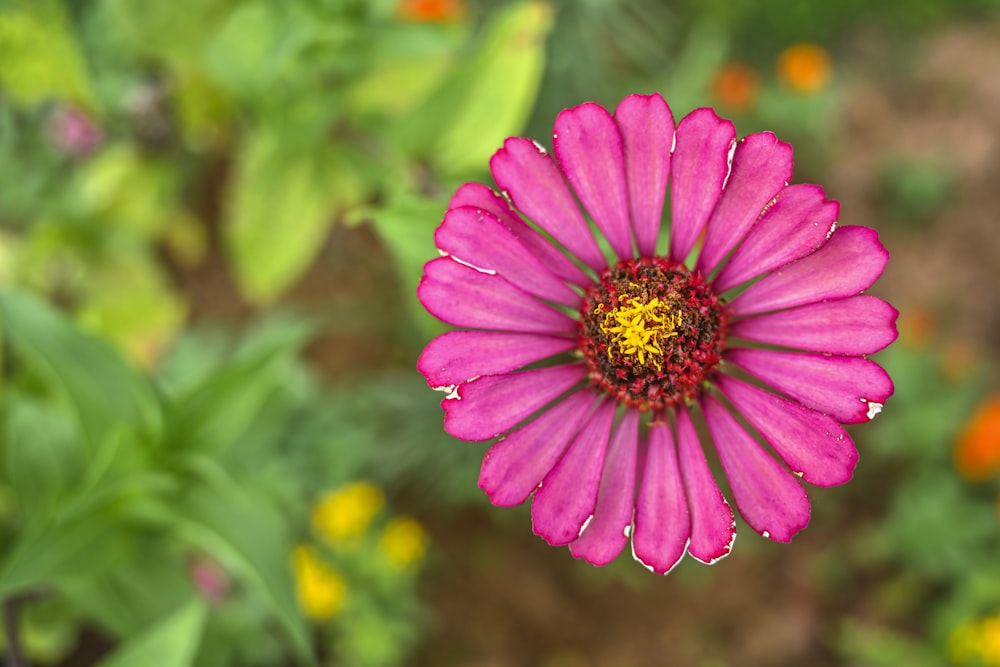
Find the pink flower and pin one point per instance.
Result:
(73, 132)
(211, 580)
(637, 349)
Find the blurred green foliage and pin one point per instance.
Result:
(939, 537)
(915, 191)
(158, 471)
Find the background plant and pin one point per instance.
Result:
(213, 216)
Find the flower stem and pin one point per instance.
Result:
(11, 630)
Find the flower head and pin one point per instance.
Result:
(592, 361)
(320, 590)
(977, 452)
(403, 542)
(210, 579)
(735, 86)
(431, 11)
(805, 68)
(345, 513)
(74, 132)
(977, 642)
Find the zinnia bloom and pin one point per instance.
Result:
(592, 358)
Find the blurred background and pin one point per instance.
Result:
(214, 447)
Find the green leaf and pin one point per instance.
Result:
(212, 416)
(486, 99)
(76, 543)
(107, 395)
(126, 191)
(39, 58)
(256, 45)
(239, 53)
(407, 62)
(130, 303)
(873, 646)
(204, 110)
(217, 398)
(702, 54)
(43, 456)
(281, 202)
(250, 537)
(406, 227)
(152, 583)
(175, 31)
(172, 642)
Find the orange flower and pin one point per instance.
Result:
(428, 11)
(977, 454)
(805, 68)
(735, 86)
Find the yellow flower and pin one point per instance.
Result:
(320, 590)
(805, 68)
(977, 452)
(976, 641)
(989, 646)
(345, 513)
(403, 542)
(735, 86)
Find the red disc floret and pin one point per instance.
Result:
(651, 331)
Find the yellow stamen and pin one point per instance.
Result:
(639, 329)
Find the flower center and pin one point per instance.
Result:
(639, 329)
(651, 332)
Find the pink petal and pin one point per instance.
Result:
(769, 498)
(536, 187)
(762, 166)
(567, 497)
(488, 406)
(607, 533)
(457, 357)
(474, 237)
(698, 169)
(813, 445)
(855, 325)
(647, 129)
(662, 520)
(517, 463)
(713, 526)
(481, 197)
(588, 145)
(849, 389)
(799, 222)
(849, 262)
(462, 296)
